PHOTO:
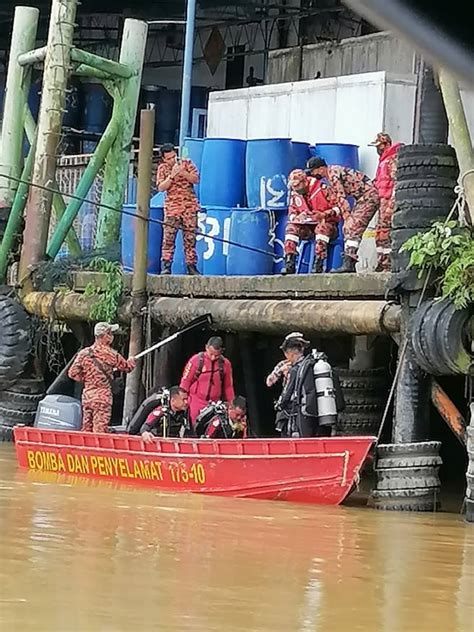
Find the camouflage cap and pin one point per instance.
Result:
(381, 139)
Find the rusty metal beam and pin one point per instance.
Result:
(448, 412)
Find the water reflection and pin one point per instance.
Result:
(87, 555)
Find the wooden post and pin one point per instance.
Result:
(140, 260)
(53, 100)
(459, 133)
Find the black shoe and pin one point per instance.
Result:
(290, 265)
(192, 270)
(166, 267)
(348, 265)
(318, 266)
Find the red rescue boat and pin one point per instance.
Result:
(319, 471)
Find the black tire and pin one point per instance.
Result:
(369, 380)
(420, 448)
(426, 155)
(361, 409)
(451, 337)
(400, 261)
(407, 478)
(425, 172)
(436, 185)
(390, 503)
(401, 236)
(18, 401)
(28, 386)
(15, 341)
(363, 397)
(414, 333)
(389, 463)
(365, 423)
(419, 219)
(10, 417)
(432, 353)
(431, 202)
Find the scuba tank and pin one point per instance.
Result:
(325, 391)
(161, 398)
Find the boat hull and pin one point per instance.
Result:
(317, 471)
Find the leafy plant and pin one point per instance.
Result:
(448, 250)
(108, 294)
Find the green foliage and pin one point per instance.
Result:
(448, 250)
(108, 294)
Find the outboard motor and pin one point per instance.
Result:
(59, 412)
(325, 391)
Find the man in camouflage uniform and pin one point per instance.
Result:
(94, 367)
(385, 184)
(312, 211)
(181, 207)
(345, 183)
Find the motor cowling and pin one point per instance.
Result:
(325, 392)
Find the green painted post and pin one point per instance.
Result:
(25, 26)
(16, 214)
(100, 63)
(84, 186)
(126, 93)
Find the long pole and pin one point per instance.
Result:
(140, 259)
(459, 132)
(25, 27)
(53, 101)
(187, 71)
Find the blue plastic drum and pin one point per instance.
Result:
(179, 261)
(251, 228)
(268, 164)
(338, 154)
(192, 149)
(215, 251)
(96, 107)
(301, 154)
(155, 235)
(223, 173)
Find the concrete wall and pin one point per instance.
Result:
(355, 55)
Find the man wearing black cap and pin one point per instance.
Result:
(207, 377)
(346, 183)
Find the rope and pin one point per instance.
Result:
(149, 219)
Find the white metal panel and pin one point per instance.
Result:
(313, 109)
(399, 108)
(269, 116)
(228, 114)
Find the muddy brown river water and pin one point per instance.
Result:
(79, 555)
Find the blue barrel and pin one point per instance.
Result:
(280, 219)
(268, 164)
(34, 98)
(223, 173)
(192, 149)
(301, 154)
(250, 227)
(179, 262)
(96, 107)
(214, 253)
(338, 154)
(336, 249)
(155, 235)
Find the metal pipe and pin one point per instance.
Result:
(100, 63)
(85, 183)
(270, 317)
(278, 316)
(140, 259)
(25, 27)
(459, 131)
(55, 78)
(126, 94)
(32, 57)
(187, 71)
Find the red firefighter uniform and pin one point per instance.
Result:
(312, 210)
(181, 211)
(345, 183)
(385, 184)
(206, 381)
(94, 367)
